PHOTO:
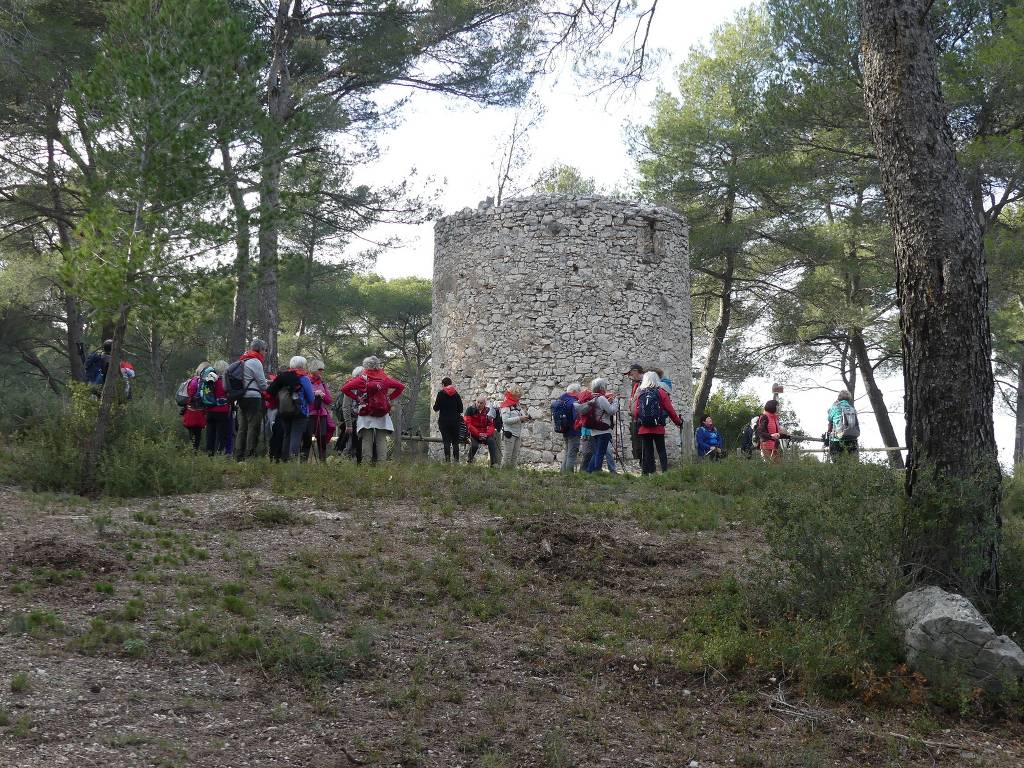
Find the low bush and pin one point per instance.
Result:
(145, 454)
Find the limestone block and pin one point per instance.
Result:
(943, 633)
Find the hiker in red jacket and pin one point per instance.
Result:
(193, 414)
(652, 408)
(480, 426)
(374, 390)
(769, 432)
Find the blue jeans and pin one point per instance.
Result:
(600, 449)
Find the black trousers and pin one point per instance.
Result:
(216, 431)
(450, 438)
(492, 447)
(195, 434)
(837, 448)
(648, 445)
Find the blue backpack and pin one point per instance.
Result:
(649, 412)
(563, 414)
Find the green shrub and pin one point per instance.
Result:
(145, 454)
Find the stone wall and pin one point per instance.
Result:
(547, 290)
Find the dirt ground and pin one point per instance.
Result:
(468, 641)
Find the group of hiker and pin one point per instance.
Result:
(583, 416)
(247, 412)
(283, 414)
(765, 433)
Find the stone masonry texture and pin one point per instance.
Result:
(548, 290)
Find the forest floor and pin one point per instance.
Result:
(243, 628)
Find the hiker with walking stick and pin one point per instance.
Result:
(320, 425)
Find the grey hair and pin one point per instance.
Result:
(573, 388)
(316, 364)
(297, 362)
(599, 384)
(372, 363)
(202, 367)
(844, 394)
(650, 380)
(258, 345)
(358, 371)
(220, 367)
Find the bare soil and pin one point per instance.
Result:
(474, 642)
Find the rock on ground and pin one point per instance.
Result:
(944, 632)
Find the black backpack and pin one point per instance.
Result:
(649, 411)
(235, 381)
(95, 368)
(563, 414)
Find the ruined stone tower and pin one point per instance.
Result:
(547, 290)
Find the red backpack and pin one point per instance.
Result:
(375, 399)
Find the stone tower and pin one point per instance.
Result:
(547, 290)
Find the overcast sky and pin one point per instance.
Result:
(453, 147)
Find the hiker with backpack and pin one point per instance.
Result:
(652, 409)
(246, 383)
(600, 419)
(350, 412)
(448, 407)
(193, 413)
(843, 427)
(513, 417)
(293, 392)
(748, 438)
(635, 374)
(218, 409)
(563, 415)
(708, 440)
(770, 432)
(480, 426)
(97, 364)
(320, 424)
(375, 391)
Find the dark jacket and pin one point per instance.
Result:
(448, 405)
(292, 381)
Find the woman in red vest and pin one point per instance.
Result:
(769, 432)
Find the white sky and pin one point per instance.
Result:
(453, 146)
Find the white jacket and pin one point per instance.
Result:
(512, 420)
(604, 406)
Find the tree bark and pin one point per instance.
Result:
(278, 109)
(108, 396)
(240, 305)
(73, 315)
(953, 476)
(725, 299)
(707, 374)
(877, 400)
(157, 360)
(1018, 412)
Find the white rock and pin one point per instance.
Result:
(944, 633)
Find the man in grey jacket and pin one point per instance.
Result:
(250, 406)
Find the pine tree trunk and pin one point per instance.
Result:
(278, 109)
(108, 396)
(156, 362)
(72, 313)
(270, 204)
(240, 305)
(707, 374)
(953, 475)
(1018, 412)
(867, 373)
